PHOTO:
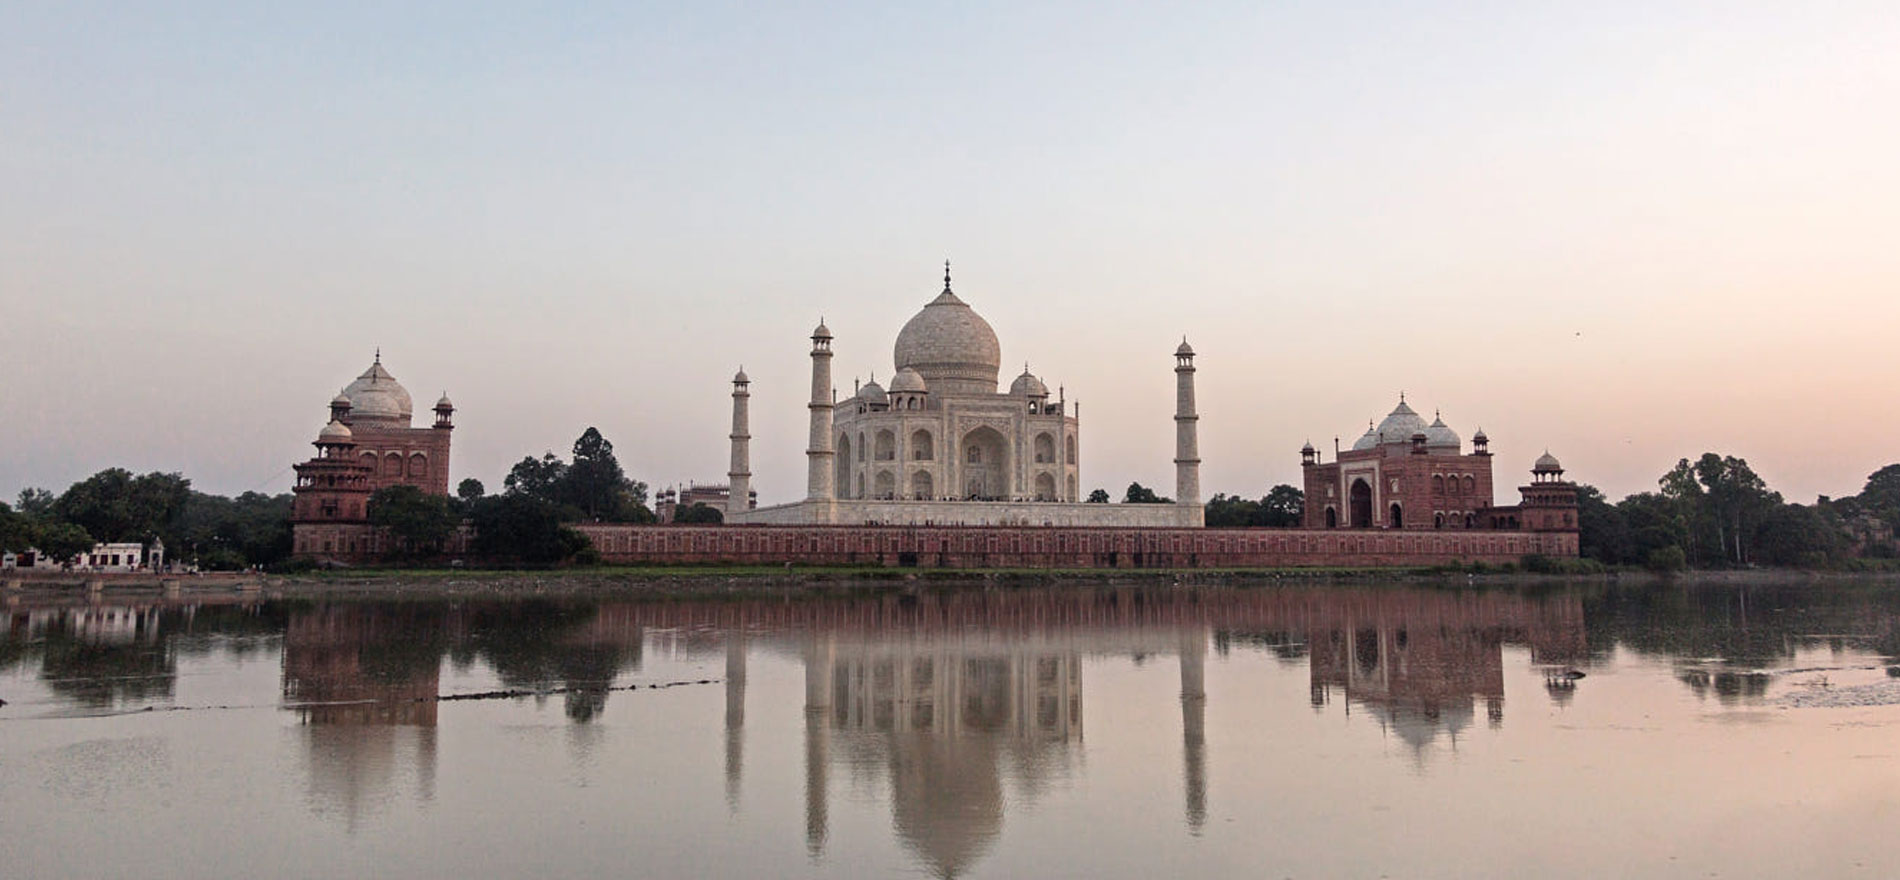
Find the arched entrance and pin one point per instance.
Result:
(984, 465)
(921, 486)
(1398, 516)
(1332, 518)
(1045, 487)
(1359, 504)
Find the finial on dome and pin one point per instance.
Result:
(379, 354)
(1401, 396)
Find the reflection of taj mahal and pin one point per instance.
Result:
(940, 445)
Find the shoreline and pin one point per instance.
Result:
(754, 581)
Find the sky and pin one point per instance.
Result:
(1627, 233)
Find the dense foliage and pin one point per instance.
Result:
(1281, 507)
(592, 487)
(112, 505)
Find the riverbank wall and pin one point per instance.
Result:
(1057, 547)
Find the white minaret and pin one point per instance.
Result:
(818, 453)
(1187, 447)
(739, 478)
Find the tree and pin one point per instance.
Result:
(421, 522)
(113, 505)
(1283, 507)
(470, 489)
(1653, 525)
(595, 482)
(1737, 499)
(1099, 496)
(61, 541)
(1796, 535)
(251, 529)
(523, 528)
(537, 478)
(1230, 511)
(1880, 497)
(36, 503)
(1139, 494)
(1603, 532)
(16, 530)
(697, 513)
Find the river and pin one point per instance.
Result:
(1089, 730)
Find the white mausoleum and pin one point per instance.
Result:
(942, 446)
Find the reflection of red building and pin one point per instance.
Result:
(367, 445)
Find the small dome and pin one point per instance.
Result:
(1184, 350)
(1308, 448)
(1438, 435)
(1028, 385)
(1480, 437)
(1368, 440)
(907, 381)
(335, 431)
(871, 392)
(1401, 424)
(444, 402)
(1547, 464)
(340, 400)
(821, 331)
(739, 378)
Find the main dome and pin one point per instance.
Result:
(377, 396)
(950, 346)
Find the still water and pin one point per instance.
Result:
(1089, 731)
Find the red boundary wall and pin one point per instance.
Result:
(1064, 547)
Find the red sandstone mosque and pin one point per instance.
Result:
(368, 444)
(1406, 474)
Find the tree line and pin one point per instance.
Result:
(113, 505)
(1716, 512)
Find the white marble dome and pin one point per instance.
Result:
(871, 392)
(1028, 385)
(908, 382)
(334, 432)
(1547, 464)
(1401, 425)
(948, 340)
(1439, 435)
(1368, 440)
(376, 395)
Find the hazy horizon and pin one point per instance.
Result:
(1625, 233)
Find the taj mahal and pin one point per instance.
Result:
(943, 446)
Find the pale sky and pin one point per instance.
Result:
(1625, 232)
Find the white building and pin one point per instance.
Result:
(942, 446)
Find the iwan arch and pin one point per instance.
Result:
(942, 446)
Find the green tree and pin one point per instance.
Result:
(36, 503)
(470, 489)
(1880, 497)
(1737, 499)
(1653, 524)
(1230, 511)
(420, 522)
(522, 528)
(697, 513)
(537, 478)
(1603, 532)
(595, 482)
(1099, 496)
(16, 530)
(1139, 494)
(1794, 535)
(1283, 507)
(251, 529)
(113, 505)
(61, 541)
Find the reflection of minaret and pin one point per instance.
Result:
(1194, 724)
(735, 715)
(819, 655)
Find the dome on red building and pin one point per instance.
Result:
(377, 396)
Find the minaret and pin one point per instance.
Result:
(818, 453)
(1187, 448)
(739, 478)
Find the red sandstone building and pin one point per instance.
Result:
(368, 445)
(1406, 474)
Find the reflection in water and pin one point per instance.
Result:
(961, 705)
(364, 679)
(949, 717)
